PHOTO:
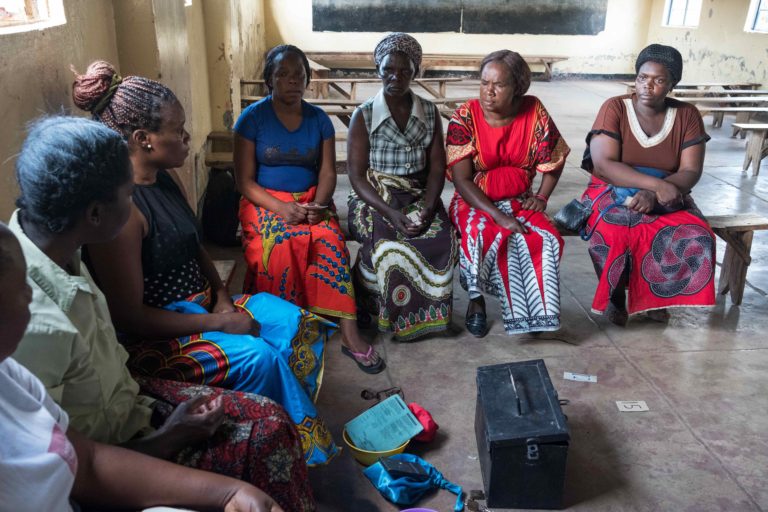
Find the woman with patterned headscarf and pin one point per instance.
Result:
(396, 160)
(654, 251)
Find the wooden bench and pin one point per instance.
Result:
(737, 231)
(757, 145)
(318, 74)
(743, 114)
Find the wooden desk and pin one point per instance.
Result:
(678, 93)
(743, 114)
(364, 60)
(706, 86)
(344, 103)
(351, 94)
(719, 100)
(757, 145)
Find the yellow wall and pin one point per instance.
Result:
(199, 113)
(611, 51)
(235, 48)
(165, 41)
(718, 49)
(36, 78)
(136, 39)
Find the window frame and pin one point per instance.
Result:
(753, 15)
(41, 14)
(687, 12)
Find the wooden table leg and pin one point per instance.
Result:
(547, 70)
(733, 274)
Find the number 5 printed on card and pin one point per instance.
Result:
(632, 406)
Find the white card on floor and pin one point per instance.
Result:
(579, 377)
(632, 406)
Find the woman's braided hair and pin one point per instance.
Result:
(123, 104)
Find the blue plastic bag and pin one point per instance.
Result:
(624, 193)
(407, 491)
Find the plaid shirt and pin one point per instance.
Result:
(393, 151)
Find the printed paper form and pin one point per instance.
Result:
(384, 426)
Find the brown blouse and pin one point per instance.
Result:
(682, 128)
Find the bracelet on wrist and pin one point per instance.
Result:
(541, 197)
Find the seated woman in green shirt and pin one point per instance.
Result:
(75, 181)
(47, 454)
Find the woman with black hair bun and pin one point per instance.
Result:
(165, 296)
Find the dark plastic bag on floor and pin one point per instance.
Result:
(407, 491)
(220, 208)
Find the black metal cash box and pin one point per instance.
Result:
(522, 436)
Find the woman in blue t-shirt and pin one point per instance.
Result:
(285, 168)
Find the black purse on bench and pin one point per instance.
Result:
(574, 215)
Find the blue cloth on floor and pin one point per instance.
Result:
(407, 491)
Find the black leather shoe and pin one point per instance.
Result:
(477, 324)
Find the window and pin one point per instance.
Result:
(757, 19)
(22, 15)
(681, 13)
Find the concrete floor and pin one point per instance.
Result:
(702, 446)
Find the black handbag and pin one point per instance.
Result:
(574, 215)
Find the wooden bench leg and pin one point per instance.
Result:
(717, 119)
(741, 117)
(754, 151)
(733, 274)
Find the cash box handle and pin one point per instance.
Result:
(533, 449)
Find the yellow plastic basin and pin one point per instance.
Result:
(367, 457)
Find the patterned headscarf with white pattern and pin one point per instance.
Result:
(398, 42)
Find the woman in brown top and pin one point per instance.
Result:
(655, 251)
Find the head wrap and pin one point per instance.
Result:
(667, 56)
(398, 42)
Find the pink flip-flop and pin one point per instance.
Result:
(367, 357)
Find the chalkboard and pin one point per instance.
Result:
(586, 17)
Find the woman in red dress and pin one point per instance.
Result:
(495, 147)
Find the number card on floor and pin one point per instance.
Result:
(579, 377)
(632, 406)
